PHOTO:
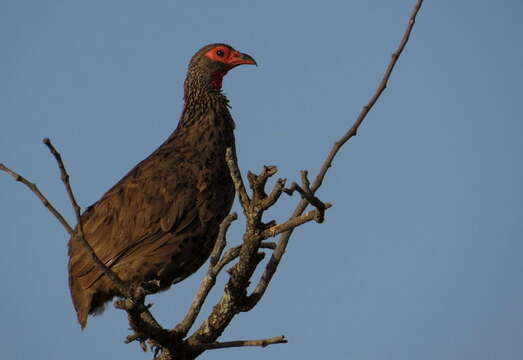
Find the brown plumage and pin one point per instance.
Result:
(160, 221)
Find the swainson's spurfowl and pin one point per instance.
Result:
(158, 224)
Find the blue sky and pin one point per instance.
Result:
(420, 257)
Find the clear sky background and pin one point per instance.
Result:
(421, 255)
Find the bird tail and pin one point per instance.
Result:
(81, 300)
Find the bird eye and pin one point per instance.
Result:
(219, 53)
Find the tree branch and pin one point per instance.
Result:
(234, 252)
(221, 239)
(292, 223)
(64, 176)
(136, 308)
(273, 263)
(140, 318)
(245, 201)
(240, 343)
(275, 194)
(208, 280)
(41, 196)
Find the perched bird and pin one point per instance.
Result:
(158, 224)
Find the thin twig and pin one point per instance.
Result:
(245, 201)
(64, 176)
(208, 281)
(257, 182)
(240, 343)
(307, 194)
(221, 241)
(138, 312)
(365, 110)
(275, 194)
(234, 252)
(273, 263)
(137, 307)
(41, 196)
(292, 223)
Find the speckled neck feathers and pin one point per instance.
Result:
(201, 97)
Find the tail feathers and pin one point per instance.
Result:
(90, 300)
(81, 300)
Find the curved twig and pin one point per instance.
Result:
(273, 263)
(43, 199)
(64, 176)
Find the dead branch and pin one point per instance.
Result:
(141, 320)
(292, 223)
(41, 196)
(240, 343)
(230, 157)
(64, 176)
(273, 263)
(208, 281)
(206, 285)
(221, 241)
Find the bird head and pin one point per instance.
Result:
(213, 61)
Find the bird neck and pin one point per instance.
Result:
(201, 82)
(202, 94)
(206, 126)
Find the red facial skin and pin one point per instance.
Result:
(228, 56)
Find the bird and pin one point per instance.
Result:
(159, 223)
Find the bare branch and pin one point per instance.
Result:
(41, 196)
(292, 223)
(365, 110)
(273, 263)
(208, 280)
(140, 318)
(137, 308)
(275, 193)
(122, 287)
(221, 240)
(207, 283)
(240, 343)
(258, 182)
(232, 163)
(308, 195)
(234, 252)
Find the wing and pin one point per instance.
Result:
(153, 200)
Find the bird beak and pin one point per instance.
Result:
(239, 58)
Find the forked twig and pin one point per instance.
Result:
(64, 176)
(273, 263)
(39, 195)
